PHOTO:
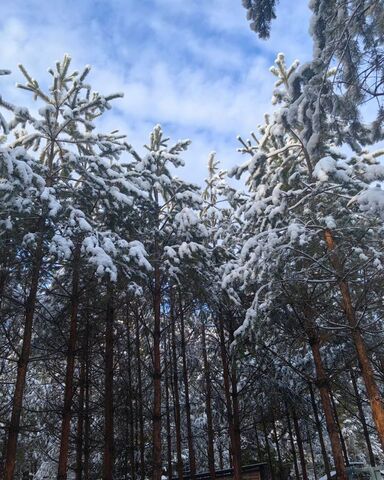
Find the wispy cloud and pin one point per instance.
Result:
(194, 67)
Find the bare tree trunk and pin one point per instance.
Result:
(80, 420)
(320, 433)
(235, 403)
(176, 399)
(362, 419)
(267, 447)
(373, 392)
(342, 441)
(108, 454)
(156, 434)
(191, 448)
(130, 419)
(277, 446)
(208, 406)
(226, 377)
(167, 372)
(312, 453)
(296, 466)
(299, 441)
(87, 407)
(140, 400)
(70, 368)
(323, 385)
(22, 364)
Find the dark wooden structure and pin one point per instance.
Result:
(256, 471)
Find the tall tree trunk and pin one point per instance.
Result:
(362, 418)
(299, 441)
(312, 453)
(208, 405)
(191, 447)
(22, 364)
(277, 446)
(270, 462)
(373, 392)
(226, 377)
(323, 386)
(87, 407)
(176, 399)
(130, 420)
(167, 372)
(80, 420)
(342, 441)
(140, 399)
(70, 368)
(296, 466)
(156, 433)
(320, 432)
(108, 454)
(235, 404)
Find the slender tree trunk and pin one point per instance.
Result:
(268, 448)
(208, 405)
(362, 419)
(296, 466)
(87, 407)
(22, 364)
(176, 399)
(323, 385)
(167, 370)
(131, 420)
(342, 441)
(108, 454)
(156, 434)
(235, 403)
(320, 433)
(373, 392)
(140, 400)
(226, 378)
(80, 421)
(70, 368)
(312, 453)
(277, 446)
(299, 441)
(191, 447)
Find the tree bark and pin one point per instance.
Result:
(191, 447)
(299, 441)
(140, 399)
(323, 386)
(22, 364)
(80, 421)
(362, 419)
(373, 392)
(320, 433)
(277, 446)
(342, 441)
(267, 447)
(87, 407)
(108, 454)
(228, 400)
(176, 399)
(168, 371)
(70, 368)
(156, 433)
(296, 466)
(208, 405)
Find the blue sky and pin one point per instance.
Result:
(193, 66)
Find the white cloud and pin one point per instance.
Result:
(193, 66)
